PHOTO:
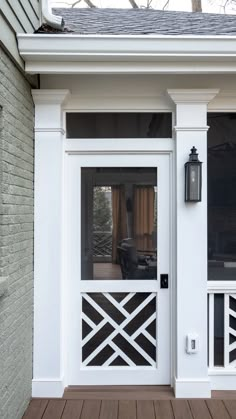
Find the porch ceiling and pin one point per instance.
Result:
(115, 54)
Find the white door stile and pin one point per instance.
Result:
(76, 374)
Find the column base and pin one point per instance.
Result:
(192, 389)
(47, 388)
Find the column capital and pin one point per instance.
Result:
(50, 96)
(194, 96)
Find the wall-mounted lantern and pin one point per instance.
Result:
(193, 178)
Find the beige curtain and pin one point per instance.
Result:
(143, 217)
(119, 221)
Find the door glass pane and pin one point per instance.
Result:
(119, 223)
(118, 125)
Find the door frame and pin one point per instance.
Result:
(108, 147)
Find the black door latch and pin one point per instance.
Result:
(164, 281)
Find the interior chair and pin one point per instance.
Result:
(129, 263)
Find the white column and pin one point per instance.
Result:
(191, 372)
(47, 358)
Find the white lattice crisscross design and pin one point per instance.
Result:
(119, 329)
(230, 330)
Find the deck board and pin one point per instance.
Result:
(36, 409)
(145, 409)
(139, 408)
(181, 409)
(54, 409)
(199, 409)
(109, 409)
(217, 409)
(231, 408)
(163, 409)
(73, 409)
(91, 409)
(127, 409)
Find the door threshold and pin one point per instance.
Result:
(119, 393)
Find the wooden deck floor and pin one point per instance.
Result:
(161, 405)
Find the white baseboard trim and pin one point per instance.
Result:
(194, 389)
(222, 381)
(47, 388)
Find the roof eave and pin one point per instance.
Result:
(72, 53)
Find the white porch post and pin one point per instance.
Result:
(47, 358)
(191, 374)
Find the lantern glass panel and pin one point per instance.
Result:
(193, 182)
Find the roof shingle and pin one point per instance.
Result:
(145, 22)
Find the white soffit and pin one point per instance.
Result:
(71, 54)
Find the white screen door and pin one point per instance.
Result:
(118, 314)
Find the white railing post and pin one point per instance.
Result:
(226, 330)
(211, 330)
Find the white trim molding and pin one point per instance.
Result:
(73, 53)
(50, 96)
(48, 387)
(192, 96)
(192, 388)
(222, 379)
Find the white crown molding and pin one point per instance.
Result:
(192, 95)
(52, 20)
(50, 96)
(56, 53)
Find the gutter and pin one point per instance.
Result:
(66, 49)
(52, 20)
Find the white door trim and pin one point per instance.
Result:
(78, 148)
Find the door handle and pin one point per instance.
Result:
(164, 280)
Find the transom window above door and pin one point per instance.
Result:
(118, 125)
(119, 223)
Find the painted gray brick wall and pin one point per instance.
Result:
(16, 239)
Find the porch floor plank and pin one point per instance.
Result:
(181, 409)
(127, 409)
(163, 409)
(73, 409)
(36, 409)
(54, 409)
(138, 408)
(109, 409)
(217, 409)
(199, 409)
(231, 408)
(145, 409)
(91, 409)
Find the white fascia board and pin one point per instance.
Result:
(39, 50)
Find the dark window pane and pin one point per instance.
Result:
(219, 330)
(118, 223)
(119, 125)
(222, 196)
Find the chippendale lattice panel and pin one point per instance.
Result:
(230, 330)
(119, 329)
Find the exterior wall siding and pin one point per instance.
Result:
(23, 17)
(16, 239)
